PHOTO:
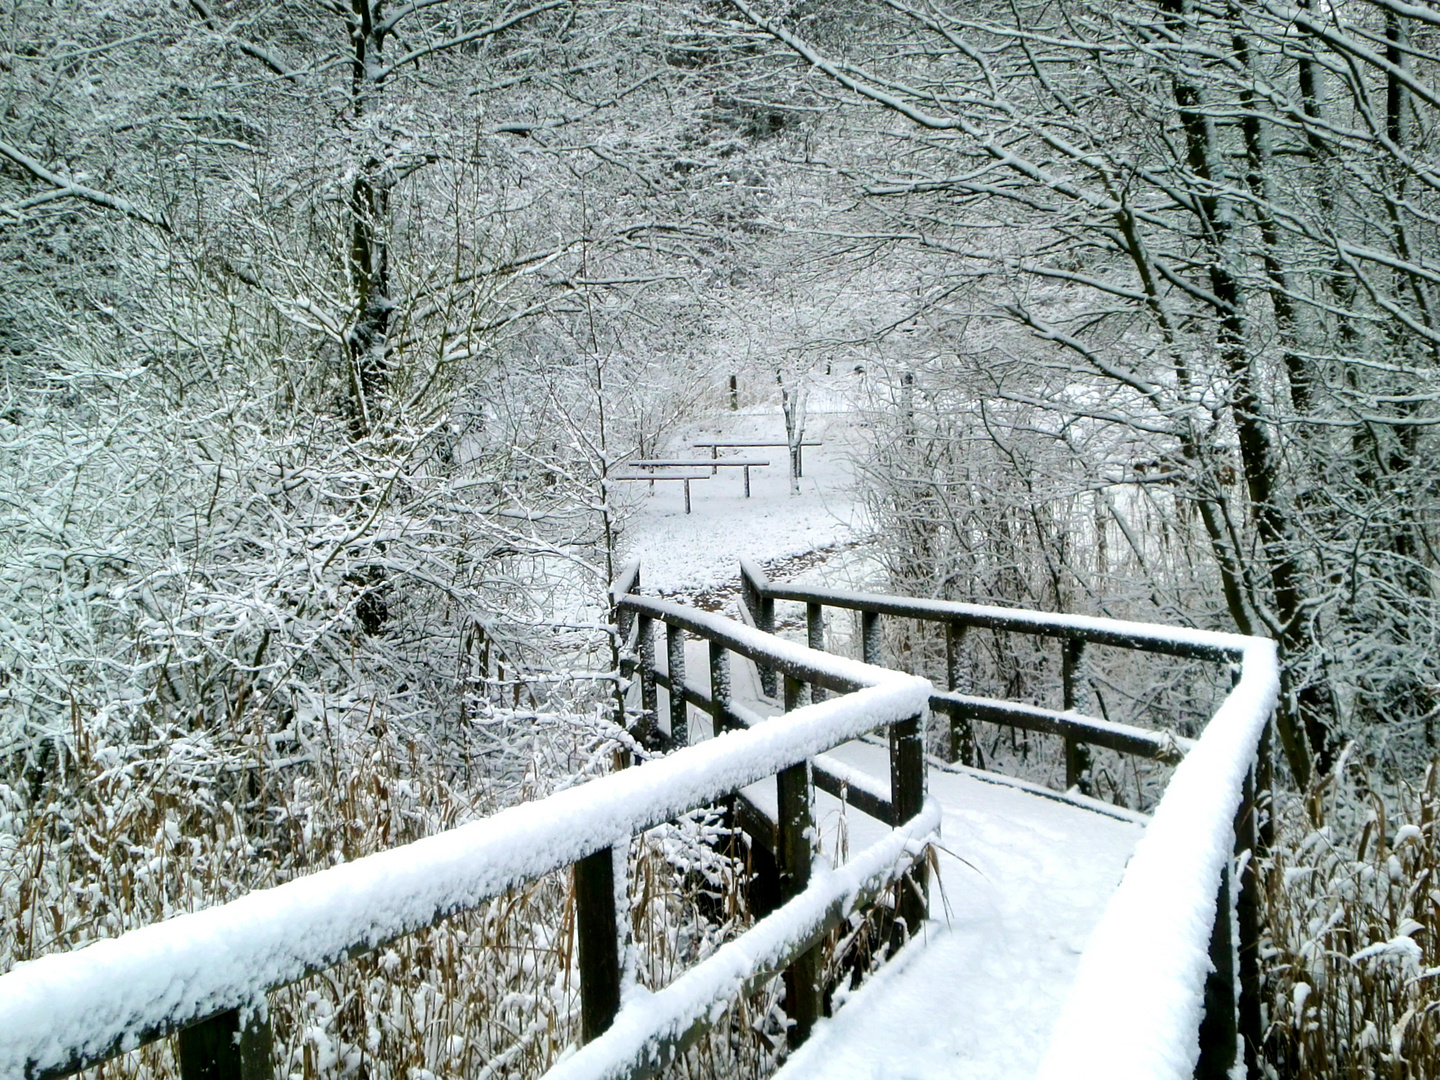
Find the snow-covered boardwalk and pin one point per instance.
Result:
(1065, 938)
(1024, 878)
(1023, 881)
(1062, 937)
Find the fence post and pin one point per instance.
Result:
(765, 620)
(815, 638)
(795, 853)
(1247, 917)
(719, 688)
(1077, 754)
(962, 733)
(675, 666)
(907, 798)
(622, 619)
(222, 1048)
(870, 637)
(598, 932)
(1218, 1027)
(649, 696)
(1264, 803)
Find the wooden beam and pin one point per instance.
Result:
(598, 932)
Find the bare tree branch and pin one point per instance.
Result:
(66, 187)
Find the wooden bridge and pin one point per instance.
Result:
(1079, 939)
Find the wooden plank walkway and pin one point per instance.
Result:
(1024, 878)
(1023, 881)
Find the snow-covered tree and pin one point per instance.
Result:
(1211, 220)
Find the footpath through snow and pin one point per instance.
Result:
(1023, 879)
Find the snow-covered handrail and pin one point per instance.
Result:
(66, 1011)
(652, 1030)
(1136, 1008)
(808, 673)
(1076, 631)
(1145, 637)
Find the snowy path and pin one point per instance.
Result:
(1023, 878)
(1023, 881)
(978, 996)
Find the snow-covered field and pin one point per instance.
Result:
(699, 550)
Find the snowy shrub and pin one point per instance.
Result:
(1352, 958)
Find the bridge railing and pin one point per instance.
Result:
(964, 710)
(205, 976)
(1156, 995)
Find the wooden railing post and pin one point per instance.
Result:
(1264, 803)
(765, 620)
(649, 696)
(719, 688)
(228, 1047)
(815, 638)
(795, 854)
(1247, 918)
(907, 798)
(962, 732)
(1077, 754)
(623, 619)
(598, 930)
(1218, 1027)
(870, 650)
(675, 666)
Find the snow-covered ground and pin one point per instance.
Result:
(700, 550)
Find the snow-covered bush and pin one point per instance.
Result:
(1352, 955)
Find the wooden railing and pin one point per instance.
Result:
(964, 710)
(205, 976)
(1205, 903)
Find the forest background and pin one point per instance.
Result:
(326, 324)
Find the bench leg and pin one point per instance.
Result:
(747, 481)
(687, 496)
(714, 456)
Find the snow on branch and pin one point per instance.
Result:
(66, 187)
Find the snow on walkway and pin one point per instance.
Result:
(699, 550)
(1023, 882)
(1024, 879)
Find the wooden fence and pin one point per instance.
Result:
(1232, 1021)
(205, 976)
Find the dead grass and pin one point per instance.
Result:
(119, 838)
(1352, 986)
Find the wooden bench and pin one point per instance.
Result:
(653, 476)
(741, 444)
(682, 463)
